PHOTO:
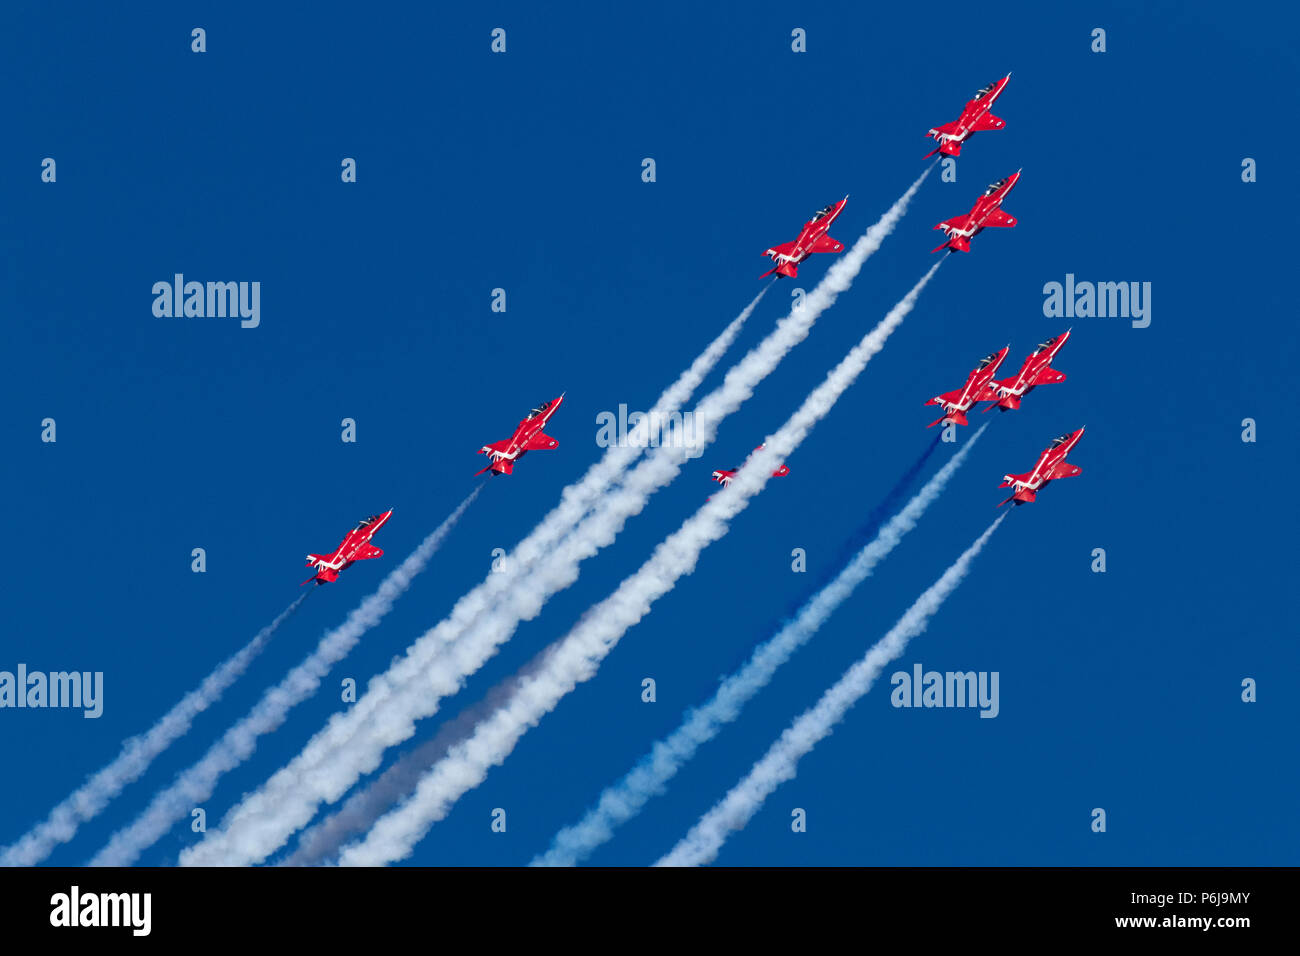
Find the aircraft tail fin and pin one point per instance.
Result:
(503, 466)
(783, 267)
(956, 243)
(322, 576)
(1022, 497)
(957, 418)
(946, 146)
(496, 463)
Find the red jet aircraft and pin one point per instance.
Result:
(975, 118)
(978, 388)
(1051, 465)
(355, 547)
(1036, 371)
(986, 212)
(723, 476)
(528, 437)
(812, 238)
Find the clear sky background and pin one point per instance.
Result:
(522, 171)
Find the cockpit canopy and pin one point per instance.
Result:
(985, 90)
(539, 409)
(1060, 441)
(988, 359)
(366, 522)
(1046, 345)
(994, 187)
(822, 212)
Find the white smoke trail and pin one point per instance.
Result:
(320, 842)
(780, 763)
(577, 657)
(352, 744)
(137, 754)
(625, 799)
(197, 783)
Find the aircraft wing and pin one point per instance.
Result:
(827, 244)
(1064, 470)
(988, 121)
(999, 218)
(540, 442)
(367, 551)
(947, 398)
(1049, 376)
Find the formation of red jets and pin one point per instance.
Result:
(1005, 394)
(981, 385)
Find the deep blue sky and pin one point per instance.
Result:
(522, 171)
